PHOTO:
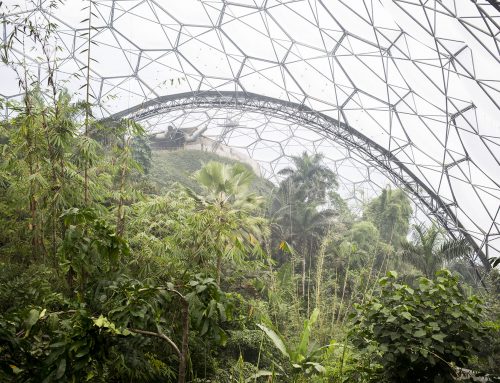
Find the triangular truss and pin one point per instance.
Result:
(404, 92)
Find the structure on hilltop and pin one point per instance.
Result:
(193, 139)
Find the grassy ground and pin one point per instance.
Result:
(180, 165)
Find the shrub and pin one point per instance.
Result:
(420, 334)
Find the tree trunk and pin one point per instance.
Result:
(87, 107)
(34, 228)
(33, 206)
(120, 219)
(304, 260)
(219, 268)
(185, 342)
(183, 352)
(55, 189)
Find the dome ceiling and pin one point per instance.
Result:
(409, 90)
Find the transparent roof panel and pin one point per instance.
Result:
(391, 91)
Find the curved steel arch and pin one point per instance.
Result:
(332, 128)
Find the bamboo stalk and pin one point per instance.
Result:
(87, 106)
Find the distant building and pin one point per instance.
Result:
(193, 139)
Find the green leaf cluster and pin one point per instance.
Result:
(304, 357)
(420, 333)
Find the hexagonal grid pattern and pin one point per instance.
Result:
(406, 91)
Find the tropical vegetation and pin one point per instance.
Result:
(118, 266)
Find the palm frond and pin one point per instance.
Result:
(455, 248)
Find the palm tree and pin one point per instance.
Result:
(428, 251)
(309, 182)
(228, 185)
(297, 208)
(229, 199)
(309, 178)
(309, 225)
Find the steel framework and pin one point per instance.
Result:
(408, 87)
(333, 129)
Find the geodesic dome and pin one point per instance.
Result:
(390, 91)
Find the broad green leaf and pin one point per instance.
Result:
(126, 332)
(82, 353)
(314, 316)
(306, 332)
(204, 327)
(409, 290)
(200, 288)
(391, 319)
(276, 339)
(419, 333)
(392, 274)
(31, 320)
(456, 314)
(61, 369)
(406, 315)
(439, 337)
(101, 321)
(318, 367)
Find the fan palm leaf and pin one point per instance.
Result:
(429, 250)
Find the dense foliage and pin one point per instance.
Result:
(420, 333)
(119, 264)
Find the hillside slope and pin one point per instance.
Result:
(169, 167)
